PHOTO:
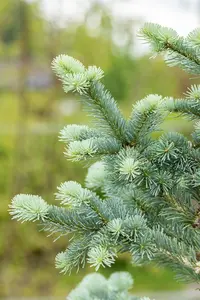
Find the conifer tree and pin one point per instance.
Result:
(149, 203)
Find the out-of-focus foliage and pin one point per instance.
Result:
(96, 286)
(14, 15)
(33, 110)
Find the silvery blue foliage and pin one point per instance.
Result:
(96, 286)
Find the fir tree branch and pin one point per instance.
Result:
(178, 51)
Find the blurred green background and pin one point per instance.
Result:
(33, 108)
